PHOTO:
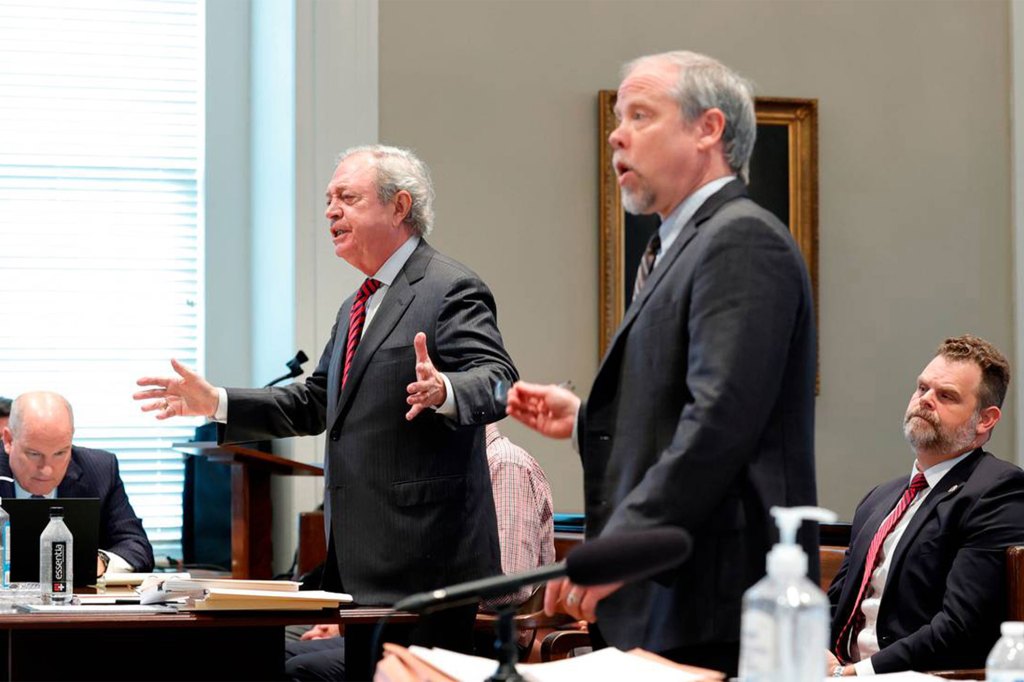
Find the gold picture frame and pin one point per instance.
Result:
(784, 167)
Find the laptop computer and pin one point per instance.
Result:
(28, 519)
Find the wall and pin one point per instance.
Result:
(499, 97)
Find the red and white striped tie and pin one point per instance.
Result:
(356, 321)
(918, 484)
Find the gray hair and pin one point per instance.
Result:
(18, 408)
(705, 83)
(399, 169)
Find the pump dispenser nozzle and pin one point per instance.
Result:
(788, 559)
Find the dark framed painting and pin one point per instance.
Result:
(783, 179)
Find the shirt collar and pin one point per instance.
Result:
(681, 214)
(934, 473)
(22, 494)
(491, 434)
(394, 264)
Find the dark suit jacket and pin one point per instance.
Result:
(94, 473)
(408, 504)
(945, 593)
(702, 416)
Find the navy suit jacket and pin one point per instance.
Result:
(94, 473)
(702, 416)
(408, 504)
(945, 592)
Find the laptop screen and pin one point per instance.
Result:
(28, 519)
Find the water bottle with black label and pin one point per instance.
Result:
(55, 554)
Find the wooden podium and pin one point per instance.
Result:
(251, 507)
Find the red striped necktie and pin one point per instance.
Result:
(356, 321)
(918, 484)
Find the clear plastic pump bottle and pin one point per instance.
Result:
(55, 559)
(1006, 661)
(784, 631)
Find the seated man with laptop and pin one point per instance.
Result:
(37, 452)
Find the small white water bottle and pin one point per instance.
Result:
(1006, 660)
(55, 553)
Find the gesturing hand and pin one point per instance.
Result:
(428, 390)
(186, 395)
(550, 410)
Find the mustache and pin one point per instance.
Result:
(929, 417)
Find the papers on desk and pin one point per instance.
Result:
(239, 595)
(132, 579)
(607, 664)
(69, 609)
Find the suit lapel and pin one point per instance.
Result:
(949, 486)
(733, 190)
(396, 301)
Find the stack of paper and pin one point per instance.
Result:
(223, 599)
(223, 594)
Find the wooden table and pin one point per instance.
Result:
(251, 509)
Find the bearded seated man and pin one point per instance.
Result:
(922, 586)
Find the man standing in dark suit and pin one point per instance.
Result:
(404, 388)
(37, 453)
(922, 586)
(702, 411)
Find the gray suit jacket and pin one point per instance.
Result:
(94, 473)
(409, 504)
(702, 416)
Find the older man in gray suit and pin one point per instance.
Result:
(404, 388)
(702, 412)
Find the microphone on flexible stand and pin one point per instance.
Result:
(624, 557)
(294, 368)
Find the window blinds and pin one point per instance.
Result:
(101, 256)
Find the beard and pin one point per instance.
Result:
(924, 431)
(637, 201)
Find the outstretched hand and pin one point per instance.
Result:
(428, 390)
(547, 409)
(186, 395)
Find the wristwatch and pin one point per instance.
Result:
(838, 670)
(105, 558)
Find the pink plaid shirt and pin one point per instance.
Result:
(522, 499)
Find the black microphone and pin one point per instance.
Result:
(294, 368)
(622, 557)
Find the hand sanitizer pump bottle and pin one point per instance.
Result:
(785, 624)
(5, 544)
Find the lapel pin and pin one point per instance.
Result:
(953, 487)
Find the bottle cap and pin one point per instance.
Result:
(1012, 628)
(57, 512)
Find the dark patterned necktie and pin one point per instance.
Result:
(918, 484)
(646, 263)
(356, 320)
